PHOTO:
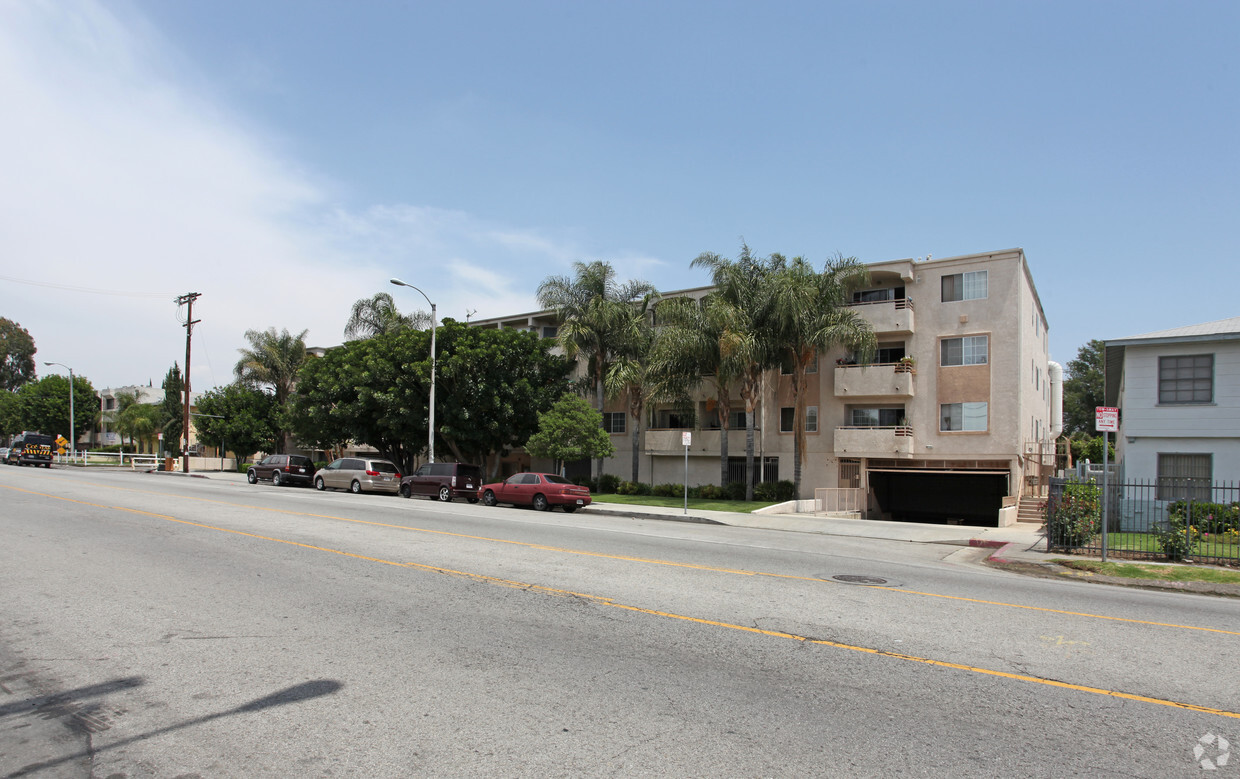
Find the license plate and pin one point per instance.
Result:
(387, 477)
(580, 501)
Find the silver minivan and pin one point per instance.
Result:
(359, 474)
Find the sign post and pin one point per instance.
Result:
(1106, 421)
(686, 438)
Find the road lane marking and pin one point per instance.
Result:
(643, 560)
(605, 601)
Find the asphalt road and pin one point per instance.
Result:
(164, 626)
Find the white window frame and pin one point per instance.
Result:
(969, 417)
(971, 285)
(974, 350)
(609, 422)
(1186, 379)
(811, 419)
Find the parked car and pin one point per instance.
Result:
(282, 469)
(543, 491)
(30, 449)
(359, 474)
(444, 481)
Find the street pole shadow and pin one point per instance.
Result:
(295, 694)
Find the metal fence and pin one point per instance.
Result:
(1164, 519)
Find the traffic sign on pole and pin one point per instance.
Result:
(1106, 418)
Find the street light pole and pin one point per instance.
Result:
(430, 444)
(72, 437)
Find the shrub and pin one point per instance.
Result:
(643, 488)
(710, 492)
(775, 491)
(1074, 517)
(669, 490)
(1210, 517)
(626, 488)
(735, 490)
(1174, 539)
(608, 482)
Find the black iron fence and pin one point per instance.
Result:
(1165, 519)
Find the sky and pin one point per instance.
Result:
(285, 158)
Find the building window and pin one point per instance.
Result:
(550, 332)
(1188, 379)
(876, 417)
(109, 404)
(786, 415)
(673, 420)
(811, 419)
(736, 420)
(965, 286)
(962, 416)
(613, 422)
(970, 350)
(889, 353)
(1185, 476)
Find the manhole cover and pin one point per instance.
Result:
(853, 578)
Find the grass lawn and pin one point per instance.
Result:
(1212, 546)
(1174, 573)
(679, 503)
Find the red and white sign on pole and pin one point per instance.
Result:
(1106, 419)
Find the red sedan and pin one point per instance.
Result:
(541, 490)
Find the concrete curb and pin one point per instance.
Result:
(610, 512)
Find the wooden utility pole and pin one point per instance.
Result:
(187, 300)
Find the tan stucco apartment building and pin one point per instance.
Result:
(951, 422)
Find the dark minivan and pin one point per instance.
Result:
(282, 469)
(444, 481)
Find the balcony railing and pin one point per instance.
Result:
(887, 316)
(857, 441)
(879, 380)
(664, 440)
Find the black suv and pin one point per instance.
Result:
(282, 469)
(444, 481)
(30, 449)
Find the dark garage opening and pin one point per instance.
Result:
(940, 498)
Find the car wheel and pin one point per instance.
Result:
(276, 481)
(405, 492)
(540, 503)
(445, 495)
(569, 509)
(356, 487)
(251, 477)
(488, 498)
(319, 485)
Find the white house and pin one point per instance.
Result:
(1178, 392)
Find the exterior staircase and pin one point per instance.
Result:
(1031, 509)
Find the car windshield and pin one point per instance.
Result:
(383, 466)
(553, 479)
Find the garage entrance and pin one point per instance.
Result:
(937, 497)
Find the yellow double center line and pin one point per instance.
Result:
(608, 602)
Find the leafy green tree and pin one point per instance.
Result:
(16, 355)
(249, 421)
(742, 305)
(10, 414)
(595, 315)
(490, 387)
(172, 412)
(43, 405)
(273, 360)
(810, 315)
(379, 315)
(571, 430)
(1084, 388)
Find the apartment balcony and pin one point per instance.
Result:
(662, 441)
(890, 380)
(874, 441)
(888, 317)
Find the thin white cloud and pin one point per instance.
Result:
(121, 177)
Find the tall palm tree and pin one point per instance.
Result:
(635, 374)
(379, 315)
(742, 303)
(273, 360)
(693, 349)
(811, 314)
(596, 317)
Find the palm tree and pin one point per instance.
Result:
(379, 315)
(811, 314)
(635, 375)
(596, 317)
(692, 349)
(273, 360)
(741, 304)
